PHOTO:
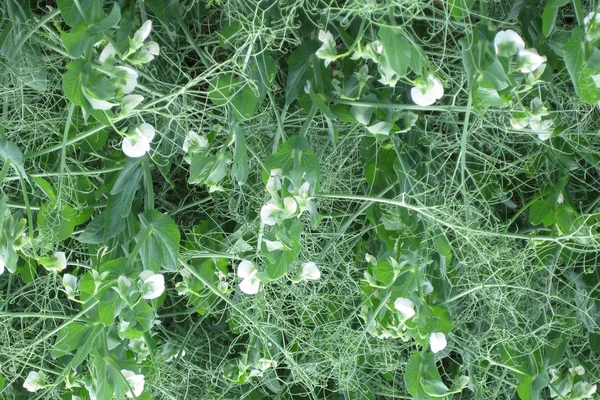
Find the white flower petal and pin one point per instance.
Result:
(194, 142)
(426, 93)
(130, 102)
(128, 79)
(310, 271)
(134, 147)
(34, 381)
(290, 206)
(405, 306)
(246, 269)
(61, 260)
(154, 285)
(142, 33)
(250, 285)
(153, 48)
(508, 42)
(108, 53)
(2, 265)
(530, 60)
(135, 382)
(268, 214)
(146, 131)
(437, 341)
(273, 245)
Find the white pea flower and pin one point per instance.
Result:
(108, 53)
(125, 79)
(508, 42)
(543, 127)
(327, 50)
(194, 142)
(583, 390)
(592, 26)
(135, 382)
(35, 381)
(370, 259)
(274, 182)
(437, 341)
(174, 356)
(97, 104)
(271, 213)
(530, 60)
(56, 263)
(145, 54)
(519, 123)
(578, 370)
(153, 284)
(273, 245)
(427, 91)
(142, 33)
(2, 265)
(70, 284)
(250, 284)
(427, 287)
(310, 272)
(138, 143)
(129, 102)
(405, 306)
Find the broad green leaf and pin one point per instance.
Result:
(209, 169)
(263, 69)
(542, 211)
(294, 154)
(56, 223)
(78, 41)
(165, 10)
(228, 90)
(278, 262)
(69, 338)
(574, 55)
(110, 21)
(46, 187)
(127, 184)
(159, 237)
(549, 15)
(422, 378)
(320, 101)
(227, 33)
(494, 77)
(92, 10)
(460, 8)
(72, 82)
(298, 63)
(397, 48)
(109, 307)
(589, 90)
(106, 225)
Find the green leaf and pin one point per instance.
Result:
(110, 21)
(239, 170)
(278, 262)
(263, 69)
(494, 77)
(460, 8)
(109, 307)
(72, 82)
(92, 10)
(320, 101)
(78, 41)
(127, 184)
(10, 153)
(228, 90)
(207, 169)
(227, 33)
(298, 64)
(586, 85)
(69, 339)
(106, 225)
(294, 154)
(422, 378)
(549, 15)
(160, 246)
(542, 211)
(574, 55)
(46, 187)
(397, 48)
(165, 10)
(56, 223)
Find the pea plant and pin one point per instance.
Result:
(225, 199)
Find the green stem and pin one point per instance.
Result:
(149, 185)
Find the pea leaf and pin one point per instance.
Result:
(10, 153)
(159, 237)
(239, 170)
(422, 378)
(298, 64)
(549, 15)
(72, 82)
(240, 96)
(56, 223)
(396, 48)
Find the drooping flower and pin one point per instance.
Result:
(108, 53)
(153, 284)
(135, 383)
(508, 42)
(405, 306)
(70, 283)
(530, 60)
(427, 91)
(125, 79)
(2, 265)
(145, 54)
(310, 272)
(327, 50)
(519, 123)
(578, 370)
(543, 127)
(138, 143)
(35, 381)
(274, 182)
(250, 284)
(437, 341)
(592, 26)
(61, 259)
(97, 104)
(272, 213)
(304, 200)
(273, 245)
(142, 33)
(129, 102)
(194, 142)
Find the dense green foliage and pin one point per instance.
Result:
(365, 199)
